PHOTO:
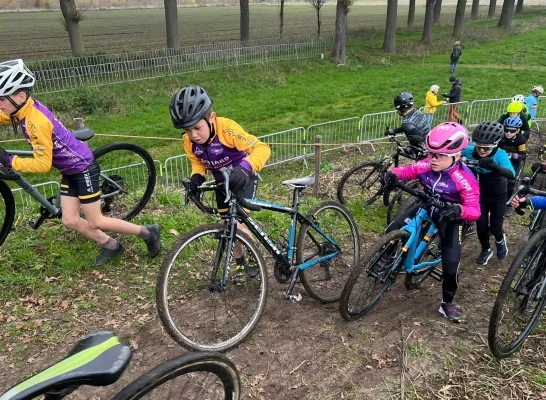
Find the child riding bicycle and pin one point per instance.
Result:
(493, 171)
(213, 142)
(55, 146)
(442, 174)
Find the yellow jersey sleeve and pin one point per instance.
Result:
(4, 119)
(40, 131)
(233, 135)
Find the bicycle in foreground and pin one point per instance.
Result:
(414, 248)
(198, 303)
(362, 184)
(522, 295)
(127, 181)
(100, 360)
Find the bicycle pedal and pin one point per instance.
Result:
(437, 274)
(294, 297)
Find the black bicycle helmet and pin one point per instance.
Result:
(189, 105)
(488, 132)
(403, 100)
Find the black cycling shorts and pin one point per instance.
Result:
(249, 192)
(84, 185)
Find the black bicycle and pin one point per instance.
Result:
(201, 303)
(362, 184)
(127, 181)
(522, 294)
(100, 359)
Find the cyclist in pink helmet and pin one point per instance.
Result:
(443, 174)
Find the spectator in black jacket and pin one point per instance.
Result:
(456, 52)
(454, 97)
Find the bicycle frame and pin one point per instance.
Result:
(415, 249)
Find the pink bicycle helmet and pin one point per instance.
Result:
(447, 138)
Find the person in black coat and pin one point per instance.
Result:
(454, 97)
(456, 52)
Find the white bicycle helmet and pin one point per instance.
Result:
(14, 75)
(519, 98)
(539, 89)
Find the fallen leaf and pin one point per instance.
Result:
(65, 304)
(174, 232)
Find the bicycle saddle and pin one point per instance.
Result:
(97, 360)
(300, 182)
(83, 134)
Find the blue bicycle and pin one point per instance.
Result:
(415, 248)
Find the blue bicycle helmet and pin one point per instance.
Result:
(513, 122)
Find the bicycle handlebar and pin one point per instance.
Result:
(8, 174)
(470, 163)
(209, 186)
(411, 151)
(525, 189)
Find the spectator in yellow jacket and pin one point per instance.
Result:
(431, 104)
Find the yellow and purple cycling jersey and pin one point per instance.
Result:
(52, 143)
(230, 146)
(455, 184)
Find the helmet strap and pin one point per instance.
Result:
(14, 120)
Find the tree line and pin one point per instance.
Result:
(72, 16)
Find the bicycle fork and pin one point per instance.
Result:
(225, 244)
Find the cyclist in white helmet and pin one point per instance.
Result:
(55, 146)
(532, 100)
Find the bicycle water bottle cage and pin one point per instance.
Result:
(97, 360)
(83, 134)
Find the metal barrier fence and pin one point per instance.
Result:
(46, 189)
(71, 73)
(297, 143)
(442, 112)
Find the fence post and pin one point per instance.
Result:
(521, 57)
(318, 145)
(78, 123)
(512, 65)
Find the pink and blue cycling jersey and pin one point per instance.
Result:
(456, 184)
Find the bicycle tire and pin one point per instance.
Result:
(189, 322)
(214, 363)
(413, 280)
(401, 202)
(385, 274)
(130, 160)
(535, 244)
(7, 211)
(323, 288)
(345, 193)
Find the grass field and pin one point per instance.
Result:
(50, 295)
(115, 31)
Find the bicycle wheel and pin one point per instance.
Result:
(127, 179)
(7, 211)
(414, 279)
(209, 376)
(372, 276)
(519, 304)
(361, 184)
(324, 282)
(201, 315)
(401, 202)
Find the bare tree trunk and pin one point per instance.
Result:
(245, 20)
(475, 13)
(72, 18)
(171, 24)
(429, 23)
(318, 23)
(492, 7)
(281, 17)
(519, 7)
(340, 39)
(389, 44)
(411, 13)
(507, 14)
(437, 11)
(458, 27)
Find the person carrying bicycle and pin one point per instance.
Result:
(443, 175)
(213, 142)
(515, 146)
(414, 123)
(493, 171)
(515, 109)
(53, 145)
(535, 202)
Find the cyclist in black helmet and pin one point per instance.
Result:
(414, 123)
(493, 173)
(213, 142)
